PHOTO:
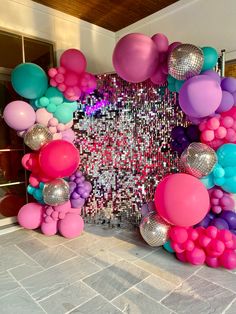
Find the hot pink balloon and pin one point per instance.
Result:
(19, 115)
(30, 216)
(135, 57)
(71, 226)
(200, 96)
(73, 60)
(161, 42)
(71, 79)
(182, 200)
(159, 77)
(49, 228)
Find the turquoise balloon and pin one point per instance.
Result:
(171, 88)
(227, 155)
(29, 80)
(230, 184)
(210, 58)
(178, 85)
(171, 79)
(168, 248)
(54, 96)
(208, 181)
(63, 113)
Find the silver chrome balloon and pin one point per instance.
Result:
(198, 159)
(56, 192)
(37, 136)
(154, 229)
(185, 61)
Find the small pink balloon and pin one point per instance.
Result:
(196, 257)
(159, 77)
(135, 57)
(30, 216)
(52, 72)
(181, 257)
(50, 228)
(212, 232)
(227, 122)
(73, 60)
(53, 129)
(61, 127)
(71, 226)
(43, 116)
(64, 207)
(68, 135)
(213, 124)
(53, 122)
(208, 135)
(59, 78)
(57, 136)
(53, 82)
(178, 234)
(220, 133)
(228, 259)
(212, 261)
(161, 42)
(61, 70)
(61, 87)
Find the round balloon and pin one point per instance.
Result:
(30, 215)
(73, 60)
(210, 58)
(19, 115)
(182, 200)
(135, 57)
(200, 96)
(59, 159)
(71, 226)
(29, 80)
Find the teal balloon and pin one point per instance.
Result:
(168, 248)
(210, 58)
(227, 155)
(171, 79)
(72, 104)
(54, 96)
(29, 80)
(208, 181)
(178, 85)
(230, 184)
(172, 88)
(63, 113)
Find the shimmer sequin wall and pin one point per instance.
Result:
(123, 135)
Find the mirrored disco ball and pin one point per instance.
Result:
(198, 159)
(185, 61)
(56, 192)
(37, 136)
(154, 229)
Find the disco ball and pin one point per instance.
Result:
(198, 159)
(185, 61)
(154, 229)
(37, 136)
(56, 192)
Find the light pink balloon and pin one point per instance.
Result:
(73, 60)
(161, 42)
(30, 216)
(43, 116)
(71, 226)
(57, 136)
(49, 228)
(135, 57)
(68, 135)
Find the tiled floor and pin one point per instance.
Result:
(105, 272)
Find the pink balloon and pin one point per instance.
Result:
(49, 228)
(64, 207)
(71, 226)
(212, 261)
(182, 199)
(59, 159)
(228, 259)
(30, 216)
(68, 135)
(19, 115)
(200, 96)
(161, 42)
(172, 46)
(135, 57)
(159, 77)
(71, 79)
(43, 116)
(73, 60)
(196, 257)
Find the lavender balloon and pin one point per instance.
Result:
(227, 102)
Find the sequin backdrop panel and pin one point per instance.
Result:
(125, 147)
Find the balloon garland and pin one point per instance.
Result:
(45, 122)
(193, 211)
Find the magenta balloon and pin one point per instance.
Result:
(173, 45)
(213, 75)
(161, 42)
(73, 60)
(159, 77)
(135, 58)
(19, 115)
(200, 96)
(227, 102)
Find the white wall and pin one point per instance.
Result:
(200, 22)
(65, 31)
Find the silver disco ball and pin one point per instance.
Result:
(37, 136)
(154, 230)
(198, 159)
(185, 61)
(56, 192)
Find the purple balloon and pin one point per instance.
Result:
(195, 121)
(85, 195)
(19, 115)
(213, 75)
(229, 217)
(77, 203)
(177, 131)
(233, 231)
(75, 195)
(72, 178)
(88, 186)
(200, 96)
(80, 180)
(229, 84)
(234, 96)
(204, 223)
(193, 133)
(219, 223)
(80, 190)
(72, 186)
(227, 102)
(78, 174)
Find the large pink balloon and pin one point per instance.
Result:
(135, 57)
(200, 96)
(30, 216)
(59, 159)
(182, 200)
(73, 60)
(19, 115)
(71, 226)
